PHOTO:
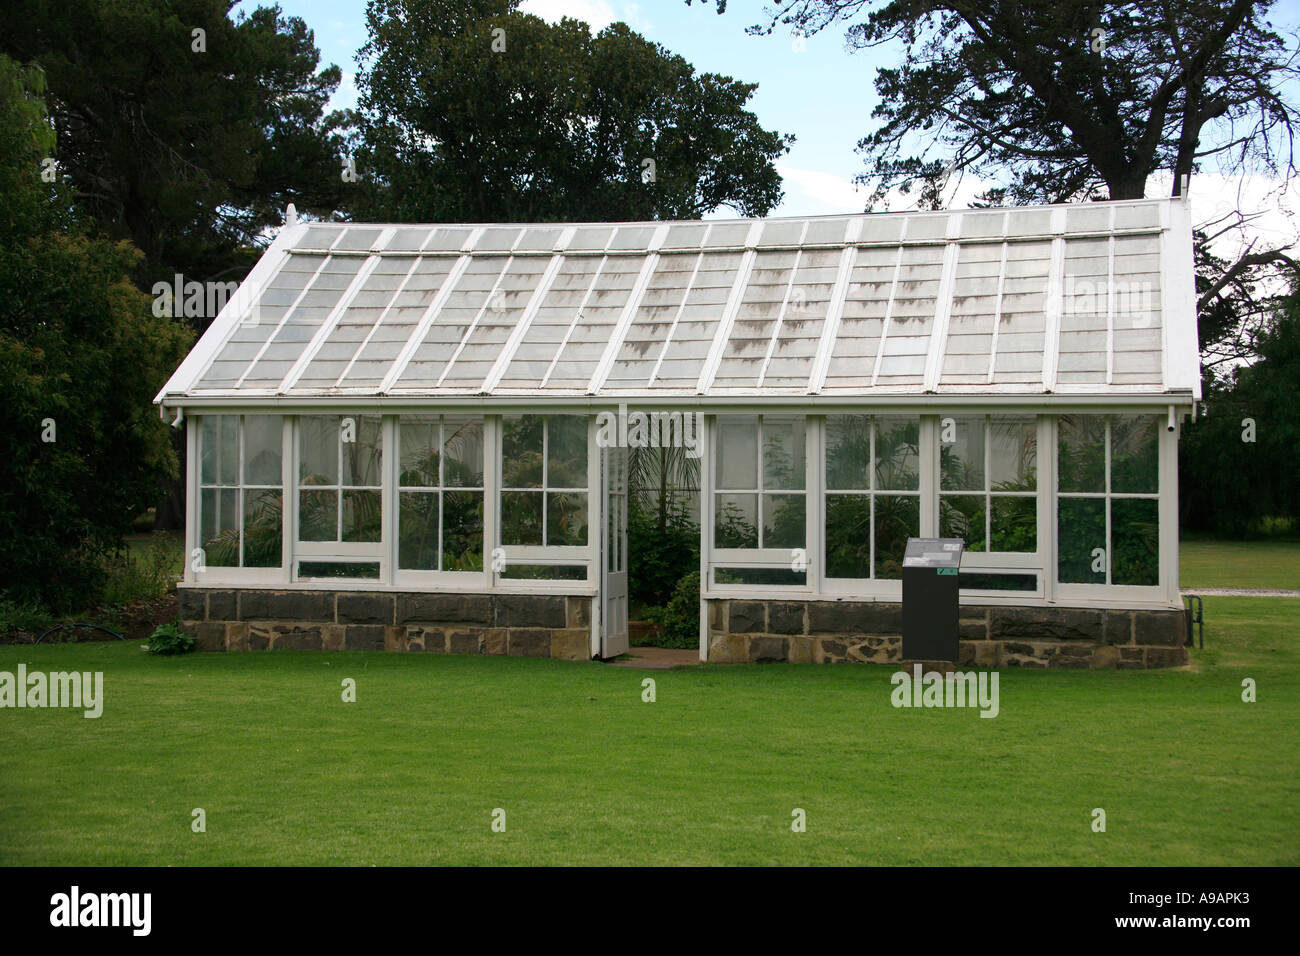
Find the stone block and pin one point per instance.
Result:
(494, 641)
(767, 649)
(528, 642)
(728, 649)
(443, 608)
(799, 649)
(260, 636)
(333, 637)
(223, 606)
(292, 637)
(528, 610)
(362, 608)
(192, 603)
(854, 617)
(1166, 656)
(395, 635)
(746, 617)
(464, 642)
(1118, 627)
(785, 617)
(303, 606)
(577, 611)
(236, 636)
(210, 636)
(571, 644)
(364, 637)
(1162, 628)
(1045, 624)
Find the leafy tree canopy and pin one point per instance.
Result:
(476, 112)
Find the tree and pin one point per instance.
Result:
(1075, 100)
(81, 356)
(476, 112)
(181, 130)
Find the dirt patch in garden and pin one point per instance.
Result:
(134, 622)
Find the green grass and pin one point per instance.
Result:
(1239, 564)
(588, 774)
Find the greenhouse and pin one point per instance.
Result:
(416, 437)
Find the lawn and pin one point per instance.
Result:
(709, 773)
(1239, 564)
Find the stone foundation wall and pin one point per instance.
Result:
(519, 625)
(990, 636)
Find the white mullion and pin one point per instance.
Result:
(291, 471)
(1052, 312)
(834, 309)
(1106, 489)
(517, 334)
(871, 497)
(624, 323)
(302, 294)
(573, 322)
(397, 294)
(1110, 308)
(706, 528)
(478, 316)
(942, 313)
(880, 351)
(431, 313)
(1048, 504)
(677, 316)
(728, 320)
(491, 495)
(390, 445)
(997, 312)
(780, 317)
(239, 486)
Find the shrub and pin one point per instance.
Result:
(681, 619)
(139, 577)
(168, 639)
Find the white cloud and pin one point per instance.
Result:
(597, 14)
(814, 192)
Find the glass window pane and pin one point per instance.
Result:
(219, 528)
(735, 523)
(318, 515)
(208, 449)
(418, 439)
(898, 461)
(318, 450)
(566, 518)
(263, 449)
(1013, 453)
(848, 453)
(962, 516)
(521, 456)
(783, 521)
(1135, 454)
(737, 453)
(1081, 453)
(362, 517)
(363, 458)
(848, 536)
(898, 517)
(783, 455)
(228, 443)
(1135, 541)
(961, 453)
(263, 527)
(521, 517)
(417, 530)
(462, 441)
(1081, 529)
(462, 531)
(1015, 524)
(566, 452)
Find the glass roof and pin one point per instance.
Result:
(1061, 299)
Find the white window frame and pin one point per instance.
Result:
(216, 575)
(545, 555)
(764, 558)
(418, 579)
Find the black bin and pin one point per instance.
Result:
(930, 578)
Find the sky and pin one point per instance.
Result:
(812, 87)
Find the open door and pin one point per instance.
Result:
(613, 551)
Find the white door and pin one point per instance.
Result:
(613, 552)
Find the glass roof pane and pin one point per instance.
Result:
(871, 281)
(578, 357)
(1022, 324)
(652, 325)
(485, 340)
(762, 303)
(972, 314)
(692, 336)
(556, 316)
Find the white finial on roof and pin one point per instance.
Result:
(290, 215)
